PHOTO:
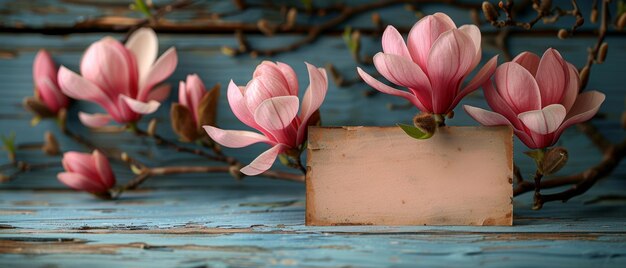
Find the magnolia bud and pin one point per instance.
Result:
(621, 21)
(491, 14)
(554, 160)
(235, 171)
(152, 127)
(425, 123)
(50, 146)
(602, 52)
(562, 34)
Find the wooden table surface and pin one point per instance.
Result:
(211, 220)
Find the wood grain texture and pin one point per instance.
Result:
(211, 220)
(381, 176)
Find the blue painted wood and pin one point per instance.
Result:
(212, 220)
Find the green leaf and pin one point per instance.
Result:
(349, 38)
(537, 155)
(9, 142)
(141, 6)
(9, 145)
(284, 159)
(414, 132)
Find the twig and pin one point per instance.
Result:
(161, 140)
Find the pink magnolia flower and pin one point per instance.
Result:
(45, 79)
(120, 78)
(433, 63)
(269, 103)
(537, 97)
(190, 94)
(87, 172)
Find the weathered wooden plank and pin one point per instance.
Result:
(380, 176)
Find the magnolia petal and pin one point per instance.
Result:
(111, 66)
(486, 118)
(264, 161)
(81, 163)
(276, 113)
(81, 183)
(571, 90)
(489, 118)
(104, 169)
(544, 121)
(394, 44)
(235, 138)
(499, 105)
(586, 106)
(443, 17)
(290, 76)
(159, 71)
(552, 77)
(145, 46)
(424, 33)
(182, 94)
(528, 60)
(238, 105)
(474, 34)
(160, 93)
(51, 95)
(139, 106)
(313, 98)
(77, 87)
(518, 87)
(451, 56)
(195, 91)
(481, 77)
(256, 93)
(43, 67)
(94, 120)
(273, 79)
(401, 71)
(391, 91)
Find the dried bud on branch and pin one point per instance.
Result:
(266, 27)
(602, 52)
(491, 14)
(593, 17)
(290, 19)
(235, 171)
(621, 21)
(584, 77)
(425, 123)
(563, 34)
(152, 127)
(50, 146)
